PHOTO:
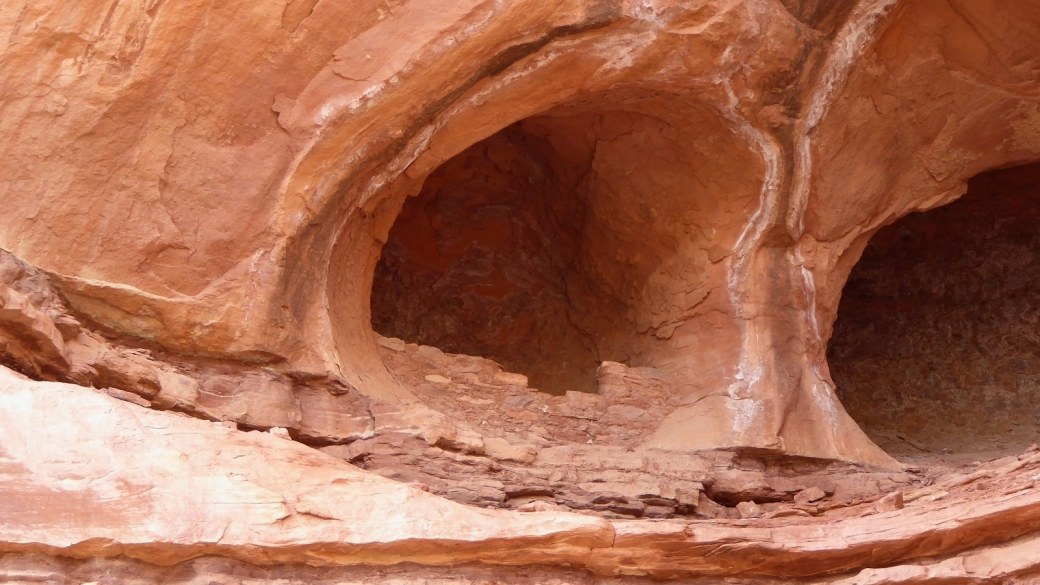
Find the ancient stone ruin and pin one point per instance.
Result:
(520, 292)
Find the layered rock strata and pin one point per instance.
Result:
(118, 480)
(647, 210)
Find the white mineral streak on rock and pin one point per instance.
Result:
(851, 41)
(750, 369)
(622, 52)
(849, 44)
(766, 211)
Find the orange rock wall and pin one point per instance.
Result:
(219, 179)
(196, 199)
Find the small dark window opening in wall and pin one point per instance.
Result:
(484, 261)
(936, 347)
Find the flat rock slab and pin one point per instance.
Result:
(84, 474)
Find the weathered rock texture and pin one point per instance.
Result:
(117, 480)
(628, 223)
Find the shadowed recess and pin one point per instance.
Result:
(562, 241)
(937, 342)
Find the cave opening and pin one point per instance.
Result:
(485, 259)
(577, 236)
(936, 347)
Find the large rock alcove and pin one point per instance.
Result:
(478, 263)
(567, 239)
(937, 342)
(579, 235)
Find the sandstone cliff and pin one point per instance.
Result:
(301, 288)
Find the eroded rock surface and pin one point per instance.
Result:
(297, 291)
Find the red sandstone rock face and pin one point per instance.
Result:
(674, 246)
(646, 209)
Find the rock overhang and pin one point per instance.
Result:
(368, 128)
(847, 118)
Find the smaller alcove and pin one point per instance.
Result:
(936, 347)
